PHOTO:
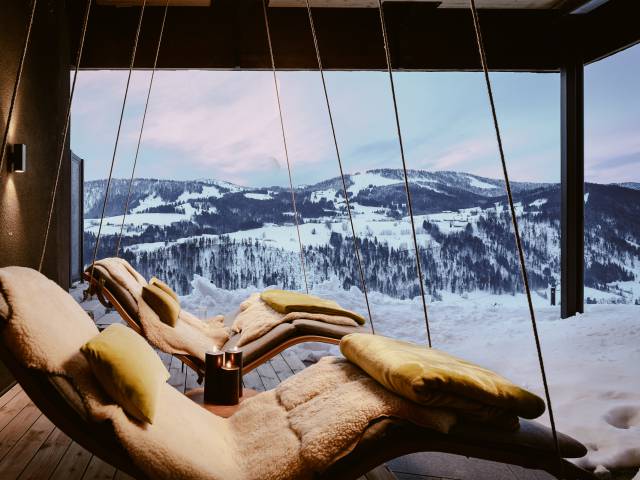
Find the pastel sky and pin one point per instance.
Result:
(224, 124)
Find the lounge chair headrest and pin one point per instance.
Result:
(46, 327)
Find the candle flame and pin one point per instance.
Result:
(214, 349)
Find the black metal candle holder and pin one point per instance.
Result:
(223, 377)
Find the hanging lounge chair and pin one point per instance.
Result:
(111, 293)
(25, 346)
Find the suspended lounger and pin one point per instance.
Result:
(36, 347)
(112, 293)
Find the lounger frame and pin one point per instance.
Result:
(389, 439)
(107, 299)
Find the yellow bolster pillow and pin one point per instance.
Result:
(166, 288)
(162, 303)
(420, 373)
(128, 369)
(285, 301)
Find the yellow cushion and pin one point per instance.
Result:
(162, 303)
(419, 373)
(284, 301)
(166, 288)
(128, 370)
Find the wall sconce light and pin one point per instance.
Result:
(18, 158)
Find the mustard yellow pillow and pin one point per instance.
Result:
(426, 375)
(162, 303)
(128, 369)
(164, 287)
(286, 301)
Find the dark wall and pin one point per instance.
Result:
(37, 121)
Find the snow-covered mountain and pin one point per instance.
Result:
(237, 236)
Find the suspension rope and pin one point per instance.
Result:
(387, 52)
(514, 221)
(284, 143)
(144, 117)
(115, 147)
(16, 85)
(65, 132)
(344, 182)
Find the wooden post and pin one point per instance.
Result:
(572, 190)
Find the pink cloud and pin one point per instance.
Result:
(230, 122)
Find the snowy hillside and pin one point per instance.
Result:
(237, 236)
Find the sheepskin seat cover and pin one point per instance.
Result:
(189, 336)
(292, 432)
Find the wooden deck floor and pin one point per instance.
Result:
(31, 447)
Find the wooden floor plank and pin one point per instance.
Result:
(525, 474)
(9, 394)
(178, 375)
(412, 476)
(268, 376)
(191, 378)
(25, 449)
(488, 470)
(48, 456)
(293, 361)
(122, 476)
(99, 470)
(380, 473)
(432, 464)
(166, 358)
(12, 408)
(282, 368)
(253, 380)
(541, 475)
(73, 464)
(17, 427)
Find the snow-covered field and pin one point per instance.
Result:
(592, 360)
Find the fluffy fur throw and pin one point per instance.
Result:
(190, 335)
(256, 318)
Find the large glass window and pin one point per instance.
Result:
(210, 200)
(211, 211)
(612, 176)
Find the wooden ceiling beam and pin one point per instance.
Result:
(230, 34)
(610, 28)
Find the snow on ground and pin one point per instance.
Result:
(474, 182)
(329, 195)
(591, 359)
(207, 192)
(134, 222)
(150, 201)
(364, 179)
(538, 203)
(258, 196)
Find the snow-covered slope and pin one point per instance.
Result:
(463, 231)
